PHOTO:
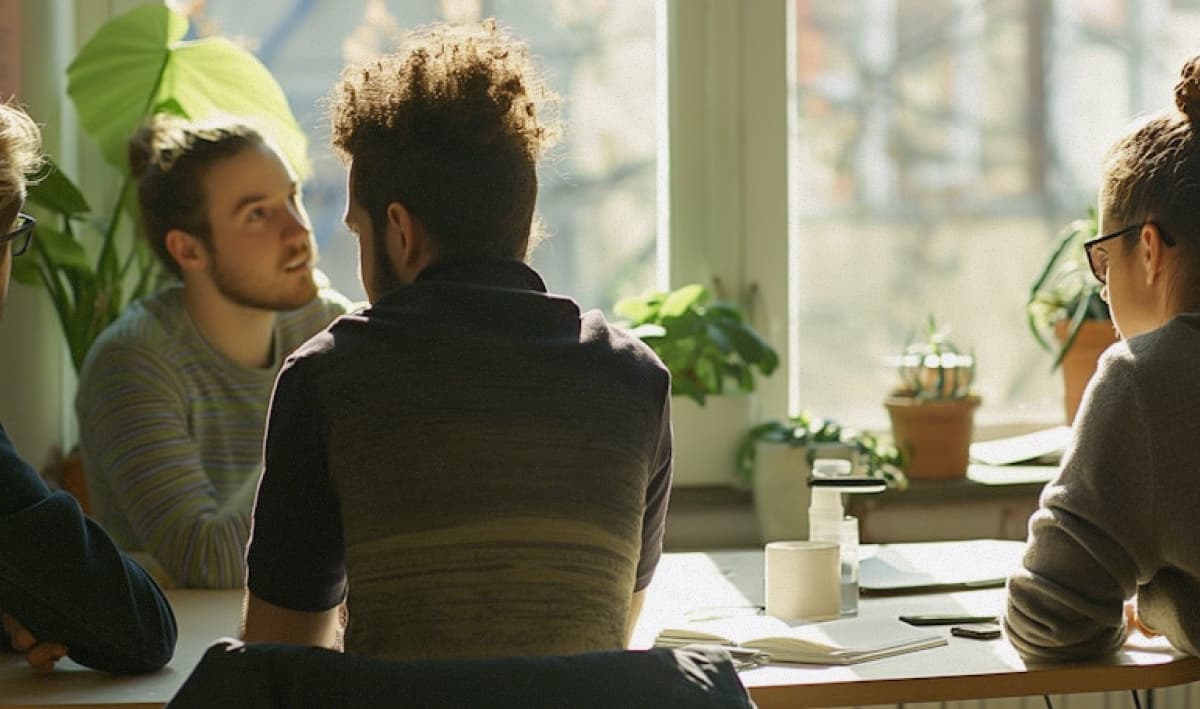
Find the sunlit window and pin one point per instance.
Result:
(938, 146)
(597, 197)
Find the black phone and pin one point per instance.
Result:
(977, 631)
(946, 619)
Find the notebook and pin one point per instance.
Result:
(930, 567)
(837, 642)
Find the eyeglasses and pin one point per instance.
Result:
(1098, 260)
(21, 235)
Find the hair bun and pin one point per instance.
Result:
(1187, 91)
(141, 151)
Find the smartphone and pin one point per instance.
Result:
(946, 619)
(977, 631)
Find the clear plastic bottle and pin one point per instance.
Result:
(828, 522)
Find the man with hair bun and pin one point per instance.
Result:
(65, 588)
(1115, 545)
(483, 467)
(173, 396)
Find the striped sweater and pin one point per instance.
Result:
(171, 435)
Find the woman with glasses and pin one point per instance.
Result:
(1115, 544)
(65, 588)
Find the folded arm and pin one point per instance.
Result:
(133, 415)
(1092, 541)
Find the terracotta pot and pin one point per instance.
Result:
(1079, 363)
(934, 434)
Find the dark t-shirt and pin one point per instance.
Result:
(487, 467)
(63, 578)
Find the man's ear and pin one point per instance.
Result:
(189, 252)
(408, 243)
(1152, 252)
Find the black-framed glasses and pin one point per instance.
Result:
(1098, 260)
(21, 235)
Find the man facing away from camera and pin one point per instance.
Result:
(475, 466)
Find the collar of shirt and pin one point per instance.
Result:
(489, 273)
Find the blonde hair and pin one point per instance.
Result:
(20, 157)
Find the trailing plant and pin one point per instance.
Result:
(1065, 290)
(705, 344)
(873, 457)
(89, 261)
(934, 368)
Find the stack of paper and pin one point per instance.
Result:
(1045, 446)
(838, 642)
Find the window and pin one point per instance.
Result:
(597, 189)
(938, 145)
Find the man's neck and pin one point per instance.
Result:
(243, 334)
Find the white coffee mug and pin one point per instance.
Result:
(802, 580)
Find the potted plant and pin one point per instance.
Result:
(712, 352)
(932, 410)
(89, 261)
(775, 458)
(1066, 314)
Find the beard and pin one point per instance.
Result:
(384, 279)
(244, 291)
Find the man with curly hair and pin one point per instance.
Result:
(472, 465)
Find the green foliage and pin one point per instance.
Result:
(135, 65)
(702, 343)
(1065, 289)
(803, 430)
(934, 368)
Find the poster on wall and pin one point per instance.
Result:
(10, 49)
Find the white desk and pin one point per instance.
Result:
(705, 583)
(963, 669)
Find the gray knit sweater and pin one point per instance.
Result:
(1121, 518)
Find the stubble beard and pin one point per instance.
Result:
(250, 295)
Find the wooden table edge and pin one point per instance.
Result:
(1065, 679)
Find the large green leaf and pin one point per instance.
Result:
(137, 62)
(682, 300)
(62, 251)
(115, 77)
(213, 76)
(56, 192)
(24, 270)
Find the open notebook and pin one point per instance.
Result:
(837, 642)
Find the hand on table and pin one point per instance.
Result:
(1134, 622)
(41, 656)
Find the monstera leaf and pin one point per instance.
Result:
(139, 63)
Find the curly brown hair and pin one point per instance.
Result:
(1152, 174)
(450, 128)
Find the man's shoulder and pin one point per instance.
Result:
(597, 331)
(297, 326)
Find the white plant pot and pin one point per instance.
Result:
(781, 495)
(706, 438)
(781, 492)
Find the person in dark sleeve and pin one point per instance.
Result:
(472, 465)
(65, 588)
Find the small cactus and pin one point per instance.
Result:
(934, 368)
